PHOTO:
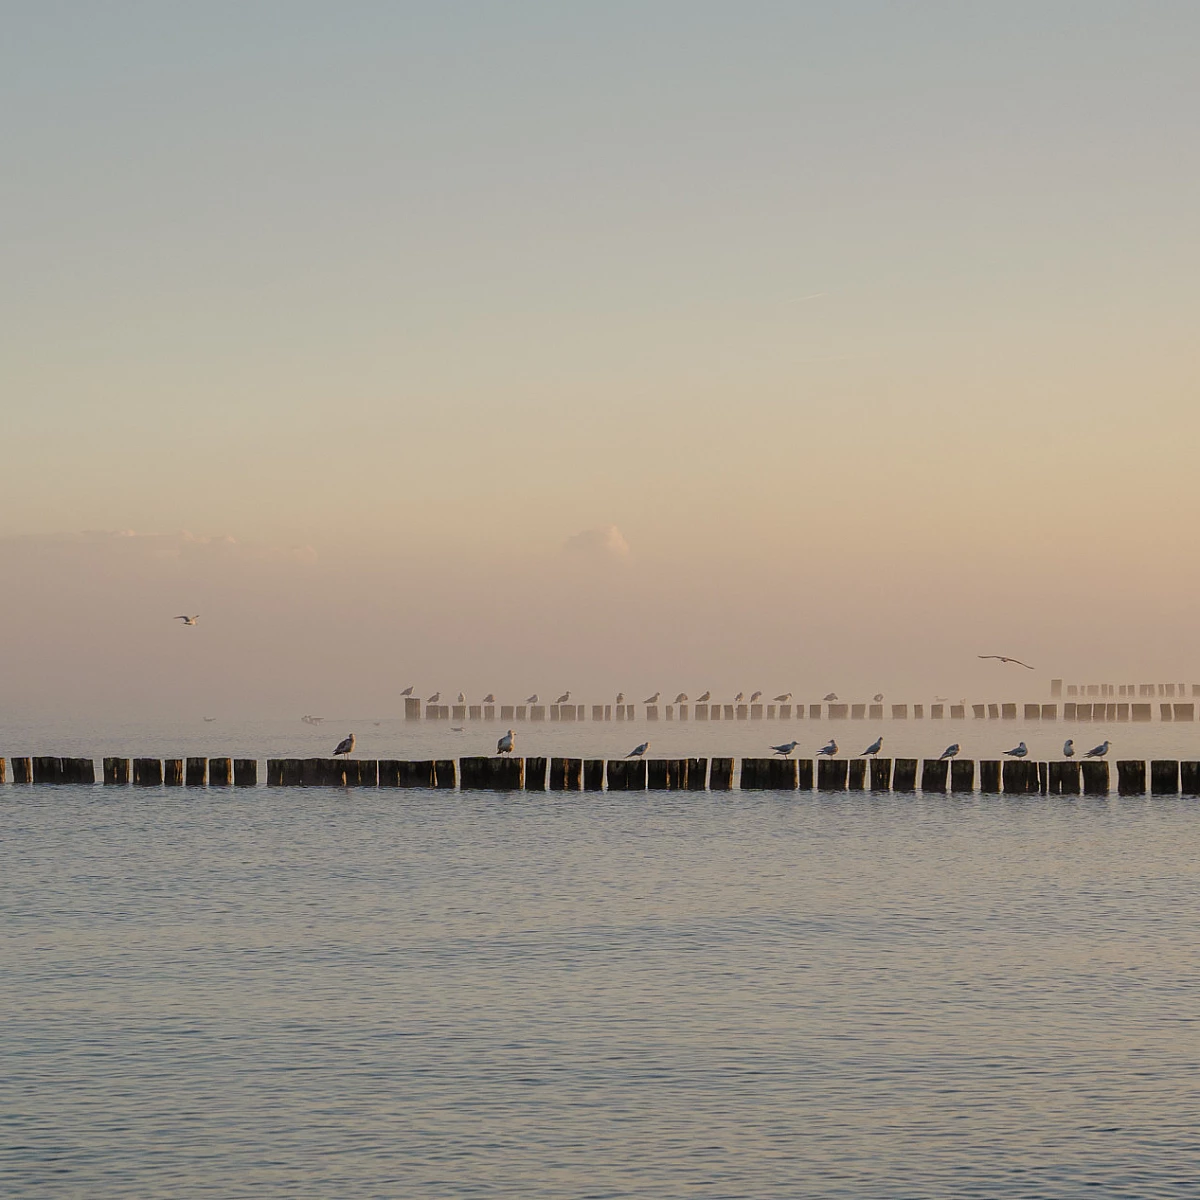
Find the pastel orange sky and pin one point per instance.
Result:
(868, 328)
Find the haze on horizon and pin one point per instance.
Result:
(656, 346)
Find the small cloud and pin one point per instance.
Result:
(605, 541)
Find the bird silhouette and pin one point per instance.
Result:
(783, 698)
(703, 699)
(1018, 751)
(738, 698)
(532, 699)
(408, 691)
(829, 749)
(754, 696)
(950, 751)
(638, 751)
(434, 698)
(681, 698)
(489, 699)
(877, 697)
(189, 620)
(620, 697)
(563, 698)
(345, 746)
(652, 699)
(786, 749)
(1098, 751)
(830, 696)
(1069, 748)
(873, 748)
(1005, 659)
(462, 698)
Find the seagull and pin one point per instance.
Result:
(738, 698)
(1069, 748)
(1098, 751)
(531, 699)
(456, 729)
(703, 699)
(1018, 751)
(620, 697)
(1004, 659)
(877, 697)
(563, 698)
(345, 746)
(189, 620)
(830, 696)
(830, 748)
(681, 698)
(462, 699)
(408, 691)
(784, 698)
(786, 749)
(489, 699)
(873, 748)
(638, 751)
(754, 696)
(505, 744)
(653, 699)
(434, 698)
(950, 751)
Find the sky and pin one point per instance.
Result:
(517, 346)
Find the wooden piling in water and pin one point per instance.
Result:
(3, 771)
(626, 774)
(899, 712)
(831, 774)
(412, 709)
(1189, 777)
(593, 775)
(407, 774)
(768, 774)
(937, 712)
(993, 712)
(489, 712)
(989, 776)
(1164, 777)
(1064, 778)
(958, 712)
(720, 774)
(666, 774)
(116, 771)
(857, 779)
(535, 774)
(598, 712)
(507, 712)
(1131, 777)
(904, 775)
(1139, 712)
(220, 772)
(1095, 777)
(881, 774)
(858, 712)
(918, 712)
(147, 772)
(1019, 776)
(195, 772)
(934, 773)
(962, 775)
(876, 712)
(474, 712)
(445, 773)
(47, 769)
(566, 774)
(22, 770)
(245, 772)
(697, 774)
(492, 774)
(978, 711)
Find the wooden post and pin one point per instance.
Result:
(1140, 712)
(274, 772)
(507, 712)
(875, 712)
(989, 776)
(1064, 778)
(147, 772)
(697, 774)
(899, 712)
(858, 712)
(978, 711)
(683, 712)
(196, 772)
(620, 712)
(3, 771)
(1056, 687)
(814, 712)
(519, 713)
(881, 774)
(958, 712)
(47, 770)
(566, 774)
(720, 774)
(756, 712)
(418, 774)
(291, 772)
(1095, 777)
(22, 770)
(701, 712)
(597, 712)
(537, 712)
(389, 772)
(245, 772)
(656, 774)
(1183, 712)
(489, 712)
(493, 774)
(593, 775)
(858, 775)
(937, 712)
(839, 712)
(772, 711)
(742, 711)
(535, 774)
(904, 775)
(626, 774)
(367, 774)
(669, 711)
(962, 775)
(831, 774)
(1131, 777)
(1018, 777)
(729, 712)
(934, 772)
(768, 774)
(1008, 712)
(1033, 712)
(220, 772)
(1049, 712)
(651, 712)
(1189, 777)
(474, 712)
(412, 708)
(608, 712)
(918, 712)
(805, 774)
(1164, 777)
(445, 774)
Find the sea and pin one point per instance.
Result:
(391, 993)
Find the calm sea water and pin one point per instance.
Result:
(377, 993)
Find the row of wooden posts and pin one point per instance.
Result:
(1071, 711)
(1123, 689)
(1070, 777)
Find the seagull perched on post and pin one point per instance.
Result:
(950, 751)
(489, 698)
(873, 748)
(877, 697)
(563, 698)
(1018, 751)
(1005, 659)
(681, 698)
(739, 697)
(652, 699)
(1098, 751)
(434, 698)
(638, 751)
(784, 698)
(462, 698)
(1069, 748)
(345, 746)
(754, 696)
(830, 748)
(189, 620)
(703, 699)
(532, 699)
(505, 744)
(620, 697)
(830, 696)
(786, 749)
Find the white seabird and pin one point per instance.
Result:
(345, 746)
(505, 744)
(878, 697)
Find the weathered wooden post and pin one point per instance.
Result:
(597, 712)
(742, 711)
(899, 712)
(934, 772)
(978, 711)
(749, 777)
(389, 772)
(918, 712)
(1064, 778)
(1140, 712)
(875, 712)
(593, 775)
(535, 774)
(720, 774)
(993, 712)
(701, 712)
(962, 775)
(47, 770)
(245, 772)
(651, 712)
(1189, 777)
(937, 712)
(1049, 712)
(367, 774)
(196, 772)
(756, 712)
(1131, 777)
(274, 775)
(697, 774)
(290, 772)
(989, 776)
(805, 774)
(1095, 777)
(445, 774)
(958, 712)
(881, 774)
(3, 771)
(489, 712)
(474, 712)
(1008, 712)
(415, 774)
(839, 712)
(412, 708)
(519, 713)
(1020, 776)
(904, 775)
(566, 774)
(858, 712)
(1033, 712)
(656, 774)
(22, 770)
(1164, 777)
(858, 775)
(493, 774)
(831, 774)
(220, 772)
(147, 772)
(626, 774)
(507, 712)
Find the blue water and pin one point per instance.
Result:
(365, 993)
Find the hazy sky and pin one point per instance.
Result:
(854, 338)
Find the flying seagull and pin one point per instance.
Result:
(703, 699)
(345, 746)
(1098, 751)
(638, 751)
(1069, 748)
(652, 699)
(786, 749)
(873, 748)
(1018, 751)
(1005, 659)
(830, 696)
(783, 699)
(408, 691)
(830, 748)
(505, 744)
(681, 698)
(189, 620)
(950, 751)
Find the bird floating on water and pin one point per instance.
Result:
(210, 718)
(1098, 751)
(638, 751)
(830, 696)
(830, 748)
(786, 749)
(783, 698)
(1018, 751)
(563, 698)
(950, 751)
(505, 744)
(189, 620)
(345, 746)
(873, 748)
(652, 699)
(456, 728)
(1069, 748)
(1005, 659)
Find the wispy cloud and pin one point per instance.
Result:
(605, 541)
